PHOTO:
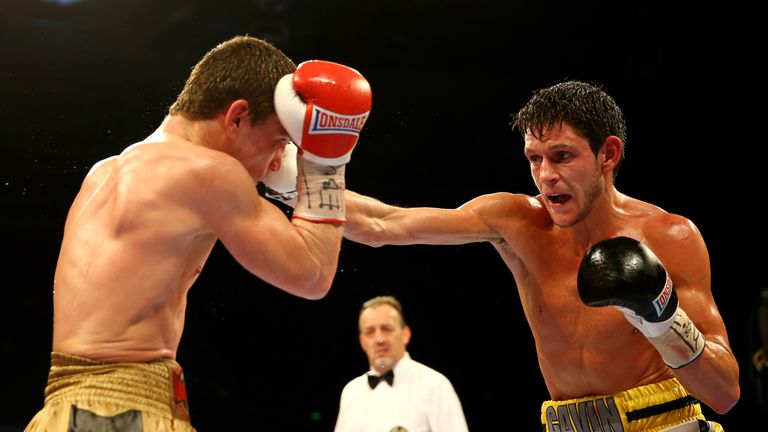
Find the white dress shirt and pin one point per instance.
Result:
(421, 399)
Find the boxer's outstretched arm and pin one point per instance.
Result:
(374, 223)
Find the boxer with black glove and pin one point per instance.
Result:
(624, 273)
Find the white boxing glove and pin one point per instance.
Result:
(280, 185)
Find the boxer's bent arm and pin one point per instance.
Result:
(714, 376)
(297, 256)
(374, 223)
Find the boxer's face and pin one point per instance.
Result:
(263, 152)
(383, 336)
(567, 173)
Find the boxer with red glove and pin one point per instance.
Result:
(624, 273)
(323, 106)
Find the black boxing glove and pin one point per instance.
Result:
(623, 273)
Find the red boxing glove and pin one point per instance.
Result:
(323, 106)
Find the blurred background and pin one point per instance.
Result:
(81, 80)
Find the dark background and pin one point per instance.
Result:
(81, 81)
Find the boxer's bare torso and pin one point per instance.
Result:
(581, 350)
(131, 250)
(578, 347)
(144, 223)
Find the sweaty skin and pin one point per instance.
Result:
(143, 224)
(581, 350)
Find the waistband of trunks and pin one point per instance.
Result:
(156, 386)
(633, 409)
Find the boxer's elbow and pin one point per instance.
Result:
(725, 399)
(312, 291)
(317, 292)
(318, 285)
(308, 280)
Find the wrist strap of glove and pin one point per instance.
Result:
(681, 344)
(320, 192)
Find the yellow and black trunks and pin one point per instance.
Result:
(649, 408)
(83, 394)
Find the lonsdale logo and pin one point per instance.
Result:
(329, 122)
(661, 301)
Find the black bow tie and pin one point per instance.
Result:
(374, 380)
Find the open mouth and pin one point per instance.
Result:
(558, 198)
